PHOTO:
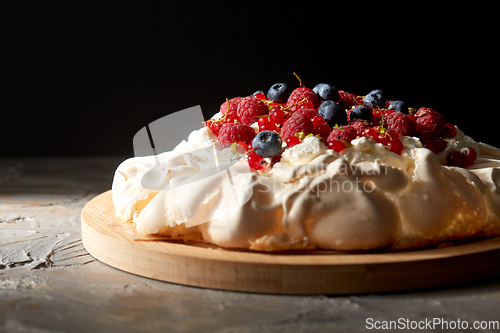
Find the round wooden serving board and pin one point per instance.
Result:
(291, 272)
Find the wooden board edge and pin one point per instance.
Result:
(288, 277)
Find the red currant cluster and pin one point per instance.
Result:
(463, 158)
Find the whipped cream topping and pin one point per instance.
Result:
(366, 197)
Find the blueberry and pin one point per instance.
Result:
(375, 98)
(326, 91)
(361, 113)
(333, 113)
(267, 143)
(399, 106)
(279, 92)
(259, 92)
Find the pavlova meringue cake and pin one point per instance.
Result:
(315, 169)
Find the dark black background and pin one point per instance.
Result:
(82, 79)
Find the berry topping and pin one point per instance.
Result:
(385, 136)
(255, 161)
(292, 141)
(279, 92)
(399, 106)
(277, 116)
(309, 113)
(266, 124)
(375, 98)
(449, 131)
(326, 91)
(348, 100)
(344, 133)
(463, 158)
(400, 123)
(367, 131)
(317, 120)
(233, 106)
(300, 97)
(396, 146)
(337, 145)
(469, 155)
(214, 126)
(323, 130)
(259, 95)
(333, 113)
(236, 132)
(250, 108)
(435, 145)
(267, 144)
(455, 159)
(300, 123)
(429, 122)
(335, 116)
(361, 113)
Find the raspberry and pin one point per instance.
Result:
(296, 124)
(360, 125)
(400, 123)
(306, 112)
(301, 98)
(412, 118)
(250, 108)
(430, 122)
(347, 100)
(236, 132)
(343, 133)
(233, 106)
